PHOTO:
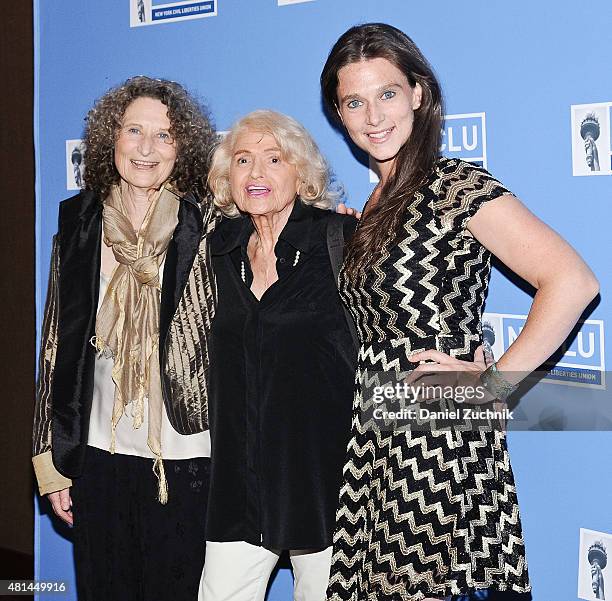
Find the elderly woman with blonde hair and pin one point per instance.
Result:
(283, 361)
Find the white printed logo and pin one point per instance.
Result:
(582, 363)
(594, 561)
(154, 12)
(591, 139)
(75, 165)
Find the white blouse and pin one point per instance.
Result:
(130, 440)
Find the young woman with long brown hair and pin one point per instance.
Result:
(432, 513)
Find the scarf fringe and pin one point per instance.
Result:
(113, 438)
(158, 470)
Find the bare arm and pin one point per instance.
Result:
(565, 285)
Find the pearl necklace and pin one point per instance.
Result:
(243, 268)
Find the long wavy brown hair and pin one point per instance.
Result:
(190, 126)
(417, 157)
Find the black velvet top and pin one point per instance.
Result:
(281, 381)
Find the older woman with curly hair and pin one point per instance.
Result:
(282, 366)
(121, 443)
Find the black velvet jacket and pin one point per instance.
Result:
(66, 375)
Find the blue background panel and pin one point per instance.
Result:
(522, 64)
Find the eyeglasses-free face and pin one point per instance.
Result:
(145, 151)
(376, 104)
(261, 180)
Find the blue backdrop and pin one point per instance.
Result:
(516, 78)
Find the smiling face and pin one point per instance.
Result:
(262, 182)
(376, 104)
(145, 152)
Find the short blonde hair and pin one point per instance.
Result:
(297, 147)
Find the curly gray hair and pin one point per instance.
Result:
(190, 125)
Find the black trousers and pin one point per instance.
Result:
(129, 547)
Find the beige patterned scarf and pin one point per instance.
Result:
(127, 325)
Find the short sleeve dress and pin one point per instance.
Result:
(434, 513)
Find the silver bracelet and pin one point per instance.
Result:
(495, 383)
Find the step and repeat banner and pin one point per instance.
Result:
(528, 96)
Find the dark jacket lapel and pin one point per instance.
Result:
(80, 230)
(80, 233)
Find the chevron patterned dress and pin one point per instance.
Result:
(430, 513)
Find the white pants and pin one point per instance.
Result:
(239, 571)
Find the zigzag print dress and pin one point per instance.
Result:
(429, 513)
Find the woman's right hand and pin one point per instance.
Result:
(62, 505)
